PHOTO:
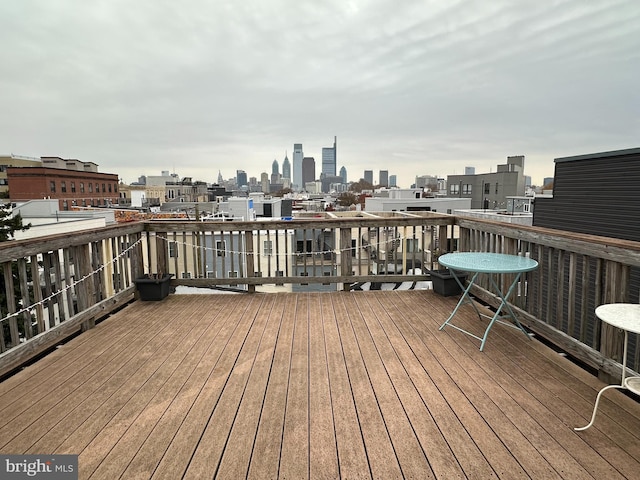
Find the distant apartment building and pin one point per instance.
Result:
(368, 176)
(393, 180)
(329, 159)
(490, 190)
(72, 187)
(12, 160)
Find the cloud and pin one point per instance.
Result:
(413, 87)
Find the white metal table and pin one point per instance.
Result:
(625, 316)
(492, 264)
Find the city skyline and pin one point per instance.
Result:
(428, 88)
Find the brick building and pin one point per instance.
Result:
(71, 187)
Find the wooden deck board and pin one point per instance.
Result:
(314, 385)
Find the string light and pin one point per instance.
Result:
(393, 241)
(71, 285)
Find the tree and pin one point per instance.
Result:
(360, 186)
(9, 223)
(346, 199)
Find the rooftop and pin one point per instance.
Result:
(314, 385)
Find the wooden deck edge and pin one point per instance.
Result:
(16, 357)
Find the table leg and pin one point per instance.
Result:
(465, 295)
(622, 385)
(595, 407)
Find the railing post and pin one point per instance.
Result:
(84, 289)
(248, 248)
(24, 291)
(611, 338)
(162, 265)
(11, 304)
(346, 265)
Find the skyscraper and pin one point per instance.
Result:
(275, 172)
(329, 159)
(393, 180)
(384, 178)
(308, 171)
(297, 166)
(343, 174)
(286, 167)
(241, 178)
(368, 176)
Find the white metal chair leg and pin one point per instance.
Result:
(595, 407)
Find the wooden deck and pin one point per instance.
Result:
(329, 385)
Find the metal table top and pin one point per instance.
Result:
(483, 262)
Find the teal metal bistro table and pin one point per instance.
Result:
(494, 265)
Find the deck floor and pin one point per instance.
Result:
(314, 385)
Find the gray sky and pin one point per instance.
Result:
(414, 87)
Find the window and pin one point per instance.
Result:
(454, 189)
(487, 188)
(73, 187)
(81, 187)
(110, 187)
(104, 188)
(304, 246)
(221, 247)
(84, 202)
(90, 187)
(115, 187)
(65, 205)
(186, 274)
(496, 188)
(63, 186)
(268, 247)
(466, 189)
(354, 247)
(97, 188)
(52, 186)
(173, 249)
(413, 245)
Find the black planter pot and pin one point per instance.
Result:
(444, 282)
(153, 287)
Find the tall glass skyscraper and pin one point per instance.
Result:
(297, 166)
(343, 174)
(329, 159)
(286, 168)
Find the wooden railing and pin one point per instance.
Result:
(59, 285)
(576, 273)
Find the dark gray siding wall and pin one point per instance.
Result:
(600, 196)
